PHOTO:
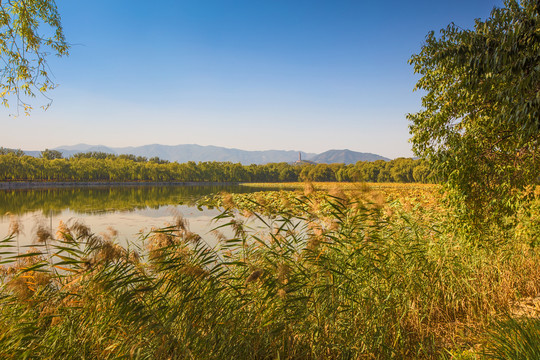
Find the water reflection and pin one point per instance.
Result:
(128, 210)
(106, 199)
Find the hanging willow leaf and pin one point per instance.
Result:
(30, 31)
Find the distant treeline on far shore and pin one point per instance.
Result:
(97, 166)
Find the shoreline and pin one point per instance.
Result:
(8, 185)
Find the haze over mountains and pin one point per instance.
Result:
(197, 153)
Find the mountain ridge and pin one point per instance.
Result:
(345, 156)
(199, 153)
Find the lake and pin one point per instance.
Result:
(129, 210)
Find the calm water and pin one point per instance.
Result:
(128, 210)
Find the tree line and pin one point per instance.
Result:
(95, 166)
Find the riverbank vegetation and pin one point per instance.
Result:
(88, 167)
(338, 273)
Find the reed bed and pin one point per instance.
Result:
(335, 275)
(345, 185)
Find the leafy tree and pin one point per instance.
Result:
(17, 152)
(29, 31)
(421, 172)
(94, 154)
(154, 159)
(51, 154)
(321, 172)
(480, 122)
(288, 174)
(402, 170)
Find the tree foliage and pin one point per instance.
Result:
(15, 152)
(51, 154)
(480, 122)
(30, 31)
(98, 166)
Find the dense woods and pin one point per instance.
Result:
(15, 166)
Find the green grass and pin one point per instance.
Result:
(517, 339)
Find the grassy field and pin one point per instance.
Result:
(342, 271)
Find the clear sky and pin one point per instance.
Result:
(250, 74)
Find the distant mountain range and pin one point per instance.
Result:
(197, 153)
(345, 157)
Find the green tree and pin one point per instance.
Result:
(17, 152)
(51, 154)
(421, 172)
(480, 122)
(30, 30)
(402, 170)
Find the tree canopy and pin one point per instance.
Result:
(98, 166)
(480, 122)
(51, 154)
(30, 31)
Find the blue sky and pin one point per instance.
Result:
(249, 74)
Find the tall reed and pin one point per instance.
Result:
(342, 276)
